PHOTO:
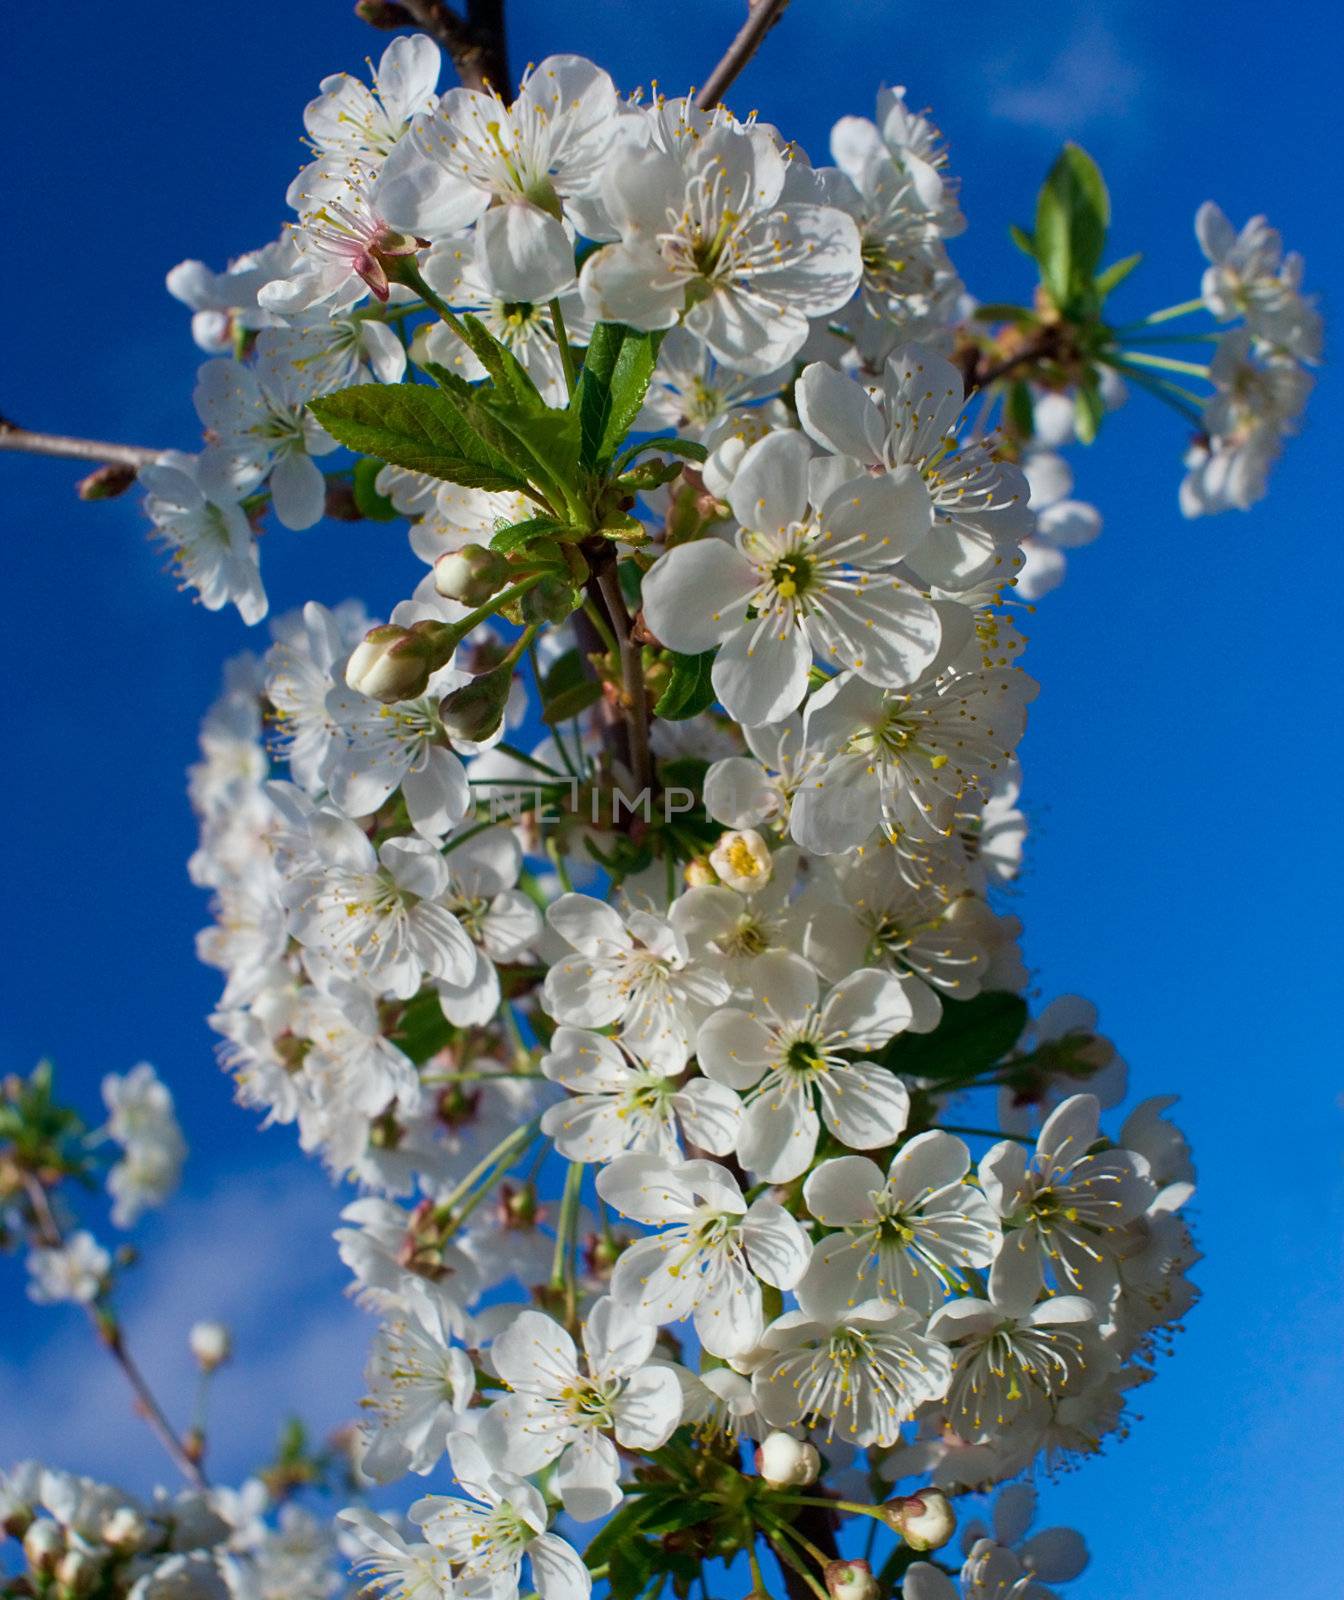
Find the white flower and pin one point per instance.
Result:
(1054, 1555)
(1249, 277)
(419, 1384)
(798, 582)
(748, 935)
(301, 667)
(859, 1375)
(342, 243)
(637, 971)
(719, 1405)
(75, 1271)
(206, 532)
(261, 427)
(223, 302)
(382, 1250)
(1062, 523)
(978, 504)
(1014, 1353)
(453, 270)
(383, 748)
(499, 919)
(511, 170)
(790, 1051)
(378, 915)
(1063, 1208)
(693, 395)
(990, 1573)
(705, 230)
(758, 790)
(710, 1262)
(489, 1533)
(558, 1412)
(350, 119)
(905, 762)
(904, 1237)
(393, 1568)
(617, 1103)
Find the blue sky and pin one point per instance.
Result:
(1183, 765)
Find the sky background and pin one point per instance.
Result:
(1182, 764)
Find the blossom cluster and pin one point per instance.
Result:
(627, 914)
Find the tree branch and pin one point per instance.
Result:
(476, 42)
(49, 1235)
(762, 15)
(13, 437)
(634, 692)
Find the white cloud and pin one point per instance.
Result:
(255, 1253)
(1093, 75)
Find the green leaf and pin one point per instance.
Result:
(372, 503)
(423, 1030)
(1023, 240)
(615, 377)
(1088, 409)
(1116, 274)
(1073, 212)
(519, 535)
(689, 690)
(422, 429)
(1020, 410)
(568, 688)
(971, 1037)
(509, 374)
(1001, 311)
(669, 444)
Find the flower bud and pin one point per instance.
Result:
(384, 14)
(392, 663)
(698, 874)
(471, 575)
(925, 1520)
(476, 710)
(851, 1580)
(742, 861)
(550, 600)
(787, 1463)
(106, 483)
(43, 1545)
(211, 1344)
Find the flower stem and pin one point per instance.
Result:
(562, 341)
(1142, 358)
(500, 1156)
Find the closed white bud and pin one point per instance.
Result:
(123, 1529)
(390, 664)
(211, 1344)
(787, 1463)
(43, 1545)
(742, 861)
(925, 1520)
(851, 1580)
(471, 575)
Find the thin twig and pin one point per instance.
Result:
(13, 437)
(110, 1337)
(634, 693)
(476, 42)
(762, 15)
